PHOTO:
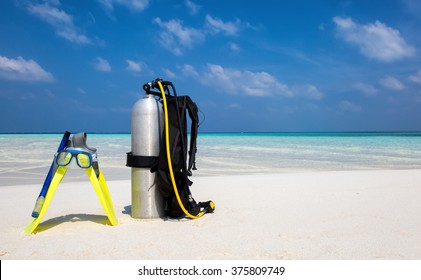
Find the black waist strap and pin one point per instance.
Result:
(140, 161)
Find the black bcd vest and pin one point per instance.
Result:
(178, 109)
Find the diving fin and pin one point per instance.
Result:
(56, 179)
(103, 194)
(41, 198)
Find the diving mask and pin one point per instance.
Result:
(84, 159)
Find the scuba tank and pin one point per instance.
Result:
(146, 129)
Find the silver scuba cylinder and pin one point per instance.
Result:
(147, 122)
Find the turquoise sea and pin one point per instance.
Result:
(25, 158)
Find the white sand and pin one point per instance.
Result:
(318, 215)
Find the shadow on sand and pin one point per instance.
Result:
(48, 224)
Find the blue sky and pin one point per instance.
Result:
(249, 65)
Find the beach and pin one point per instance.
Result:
(305, 214)
(318, 215)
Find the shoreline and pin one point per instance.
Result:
(365, 215)
(124, 174)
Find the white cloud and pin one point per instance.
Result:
(215, 25)
(133, 66)
(189, 70)
(375, 40)
(365, 88)
(102, 65)
(168, 74)
(391, 83)
(23, 70)
(136, 67)
(61, 21)
(234, 47)
(175, 37)
(244, 82)
(136, 5)
(312, 92)
(349, 106)
(344, 23)
(193, 7)
(416, 78)
(308, 91)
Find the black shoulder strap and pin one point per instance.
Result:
(194, 116)
(178, 107)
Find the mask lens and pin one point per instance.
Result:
(83, 160)
(63, 158)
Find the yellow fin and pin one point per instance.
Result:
(103, 194)
(58, 176)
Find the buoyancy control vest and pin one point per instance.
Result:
(178, 108)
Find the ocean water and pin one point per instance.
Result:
(296, 152)
(26, 158)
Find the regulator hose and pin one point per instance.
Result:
(167, 145)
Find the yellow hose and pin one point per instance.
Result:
(167, 144)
